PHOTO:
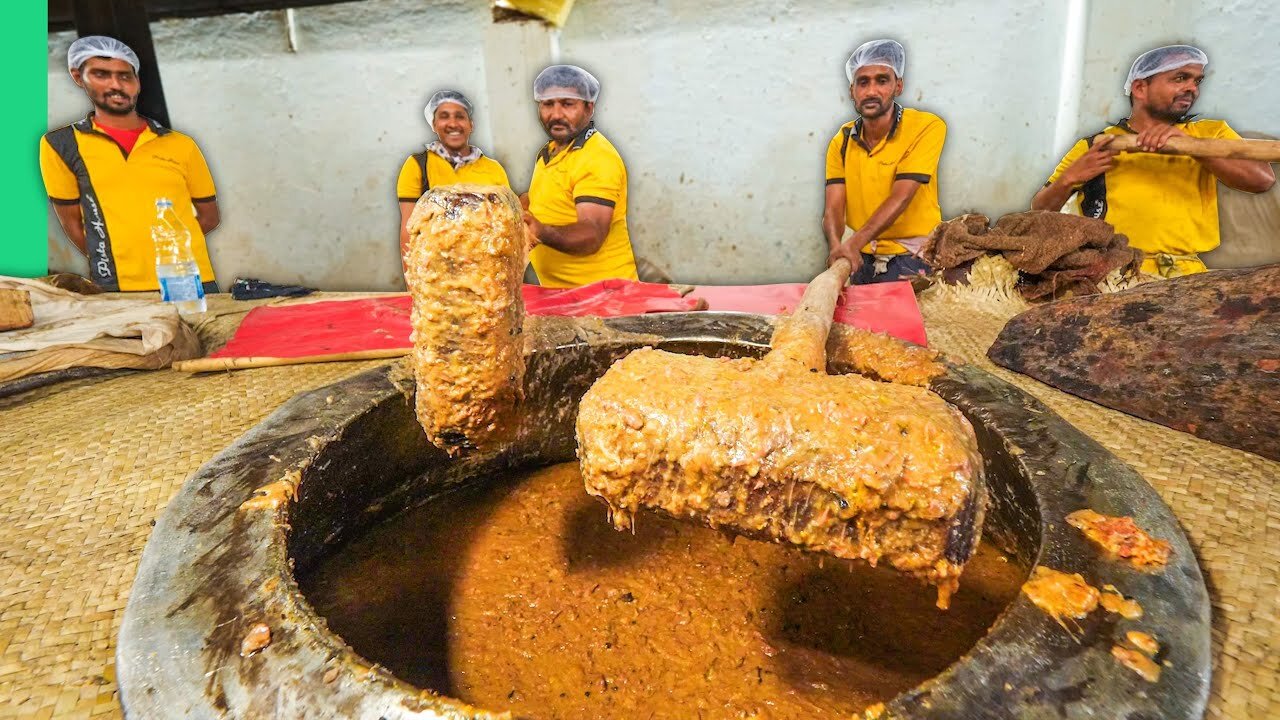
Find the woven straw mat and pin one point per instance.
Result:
(86, 466)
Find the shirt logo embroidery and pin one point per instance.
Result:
(100, 227)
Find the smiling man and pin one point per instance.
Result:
(882, 172)
(448, 160)
(577, 200)
(1166, 204)
(104, 173)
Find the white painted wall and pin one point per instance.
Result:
(731, 106)
(721, 108)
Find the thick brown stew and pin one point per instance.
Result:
(518, 595)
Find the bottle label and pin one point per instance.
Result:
(181, 289)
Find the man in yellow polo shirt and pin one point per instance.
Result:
(449, 160)
(577, 201)
(882, 172)
(1166, 204)
(105, 173)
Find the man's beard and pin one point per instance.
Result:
(115, 110)
(568, 130)
(1170, 114)
(879, 111)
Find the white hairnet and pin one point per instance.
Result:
(92, 46)
(565, 81)
(877, 52)
(446, 96)
(1162, 59)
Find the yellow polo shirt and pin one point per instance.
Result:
(1165, 204)
(590, 170)
(117, 195)
(909, 152)
(484, 171)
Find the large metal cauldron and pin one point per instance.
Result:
(211, 571)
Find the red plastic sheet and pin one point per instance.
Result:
(339, 326)
(888, 308)
(607, 298)
(322, 328)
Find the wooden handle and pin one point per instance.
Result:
(802, 336)
(242, 363)
(1265, 150)
(821, 295)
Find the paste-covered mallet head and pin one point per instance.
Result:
(464, 268)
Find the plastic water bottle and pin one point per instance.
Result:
(175, 263)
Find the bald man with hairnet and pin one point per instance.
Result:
(1167, 205)
(882, 172)
(577, 200)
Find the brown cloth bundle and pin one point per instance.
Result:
(1057, 254)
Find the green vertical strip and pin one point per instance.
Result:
(24, 33)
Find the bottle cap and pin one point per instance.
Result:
(162, 203)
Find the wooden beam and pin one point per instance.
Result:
(126, 20)
(61, 16)
(515, 52)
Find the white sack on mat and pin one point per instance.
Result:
(73, 330)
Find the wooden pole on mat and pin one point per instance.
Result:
(242, 363)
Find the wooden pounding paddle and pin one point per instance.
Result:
(802, 337)
(778, 450)
(1265, 150)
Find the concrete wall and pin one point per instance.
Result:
(732, 105)
(722, 109)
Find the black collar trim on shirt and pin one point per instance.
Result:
(86, 125)
(1124, 124)
(856, 134)
(575, 144)
(156, 127)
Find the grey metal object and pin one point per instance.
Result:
(211, 571)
